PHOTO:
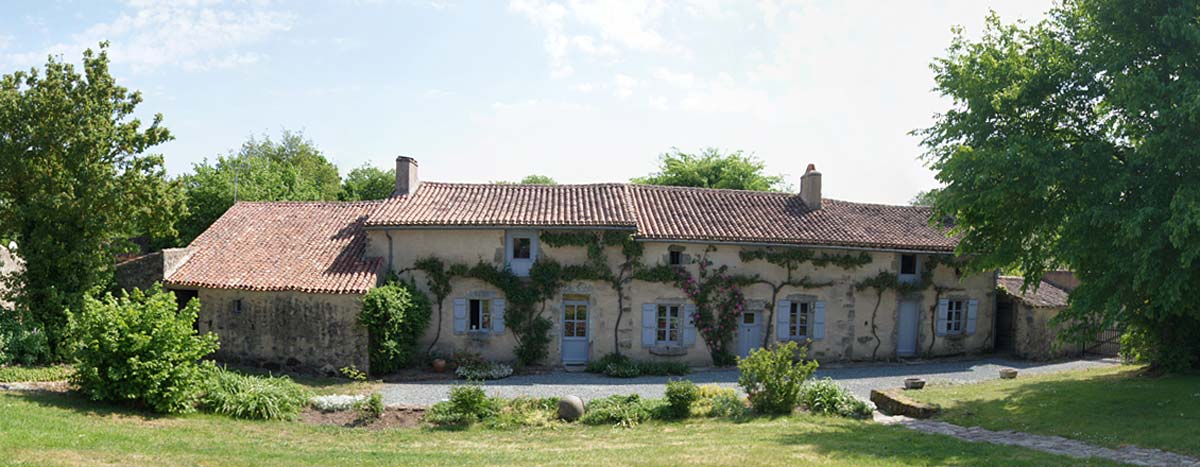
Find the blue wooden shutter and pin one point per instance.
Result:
(943, 315)
(460, 315)
(649, 320)
(818, 321)
(498, 316)
(972, 315)
(689, 325)
(782, 320)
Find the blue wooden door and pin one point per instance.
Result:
(906, 332)
(575, 332)
(749, 333)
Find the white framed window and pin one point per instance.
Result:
(480, 315)
(799, 315)
(667, 330)
(955, 313)
(520, 250)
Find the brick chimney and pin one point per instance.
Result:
(810, 187)
(406, 176)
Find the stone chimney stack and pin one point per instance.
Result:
(406, 176)
(810, 187)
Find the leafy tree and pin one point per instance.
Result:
(368, 183)
(74, 182)
(1074, 141)
(924, 198)
(292, 169)
(530, 180)
(711, 169)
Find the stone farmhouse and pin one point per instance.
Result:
(281, 283)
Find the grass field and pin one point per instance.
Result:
(1106, 406)
(64, 429)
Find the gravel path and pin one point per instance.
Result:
(859, 379)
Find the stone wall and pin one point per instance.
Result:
(1034, 337)
(316, 333)
(848, 331)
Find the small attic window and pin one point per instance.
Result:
(675, 258)
(237, 306)
(908, 265)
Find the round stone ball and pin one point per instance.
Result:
(570, 408)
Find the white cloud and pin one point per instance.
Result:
(632, 23)
(584, 87)
(623, 85)
(188, 34)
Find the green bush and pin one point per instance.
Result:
(620, 366)
(253, 397)
(370, 409)
(601, 364)
(525, 412)
(623, 370)
(681, 395)
(534, 344)
(21, 342)
(468, 404)
(772, 377)
(824, 396)
(395, 315)
(139, 348)
(622, 411)
(716, 401)
(663, 368)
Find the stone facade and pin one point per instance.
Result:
(848, 312)
(305, 332)
(1035, 338)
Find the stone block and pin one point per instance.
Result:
(894, 403)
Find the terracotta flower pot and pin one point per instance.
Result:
(914, 383)
(439, 365)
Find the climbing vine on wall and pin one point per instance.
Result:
(886, 280)
(790, 259)
(719, 302)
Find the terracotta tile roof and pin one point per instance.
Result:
(462, 204)
(677, 213)
(1046, 295)
(314, 247)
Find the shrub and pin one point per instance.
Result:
(663, 368)
(716, 401)
(680, 397)
(353, 373)
(525, 412)
(395, 316)
(535, 342)
(601, 364)
(140, 348)
(623, 370)
(467, 404)
(617, 410)
(253, 397)
(370, 408)
(772, 377)
(824, 396)
(484, 370)
(335, 403)
(21, 342)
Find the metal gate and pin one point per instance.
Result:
(1106, 343)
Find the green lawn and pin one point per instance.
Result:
(1108, 406)
(63, 429)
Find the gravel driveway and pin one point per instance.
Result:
(859, 378)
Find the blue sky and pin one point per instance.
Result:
(582, 91)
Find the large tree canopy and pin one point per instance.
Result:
(74, 182)
(1077, 141)
(711, 169)
(368, 183)
(292, 169)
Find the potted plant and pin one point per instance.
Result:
(439, 365)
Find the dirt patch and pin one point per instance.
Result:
(393, 417)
